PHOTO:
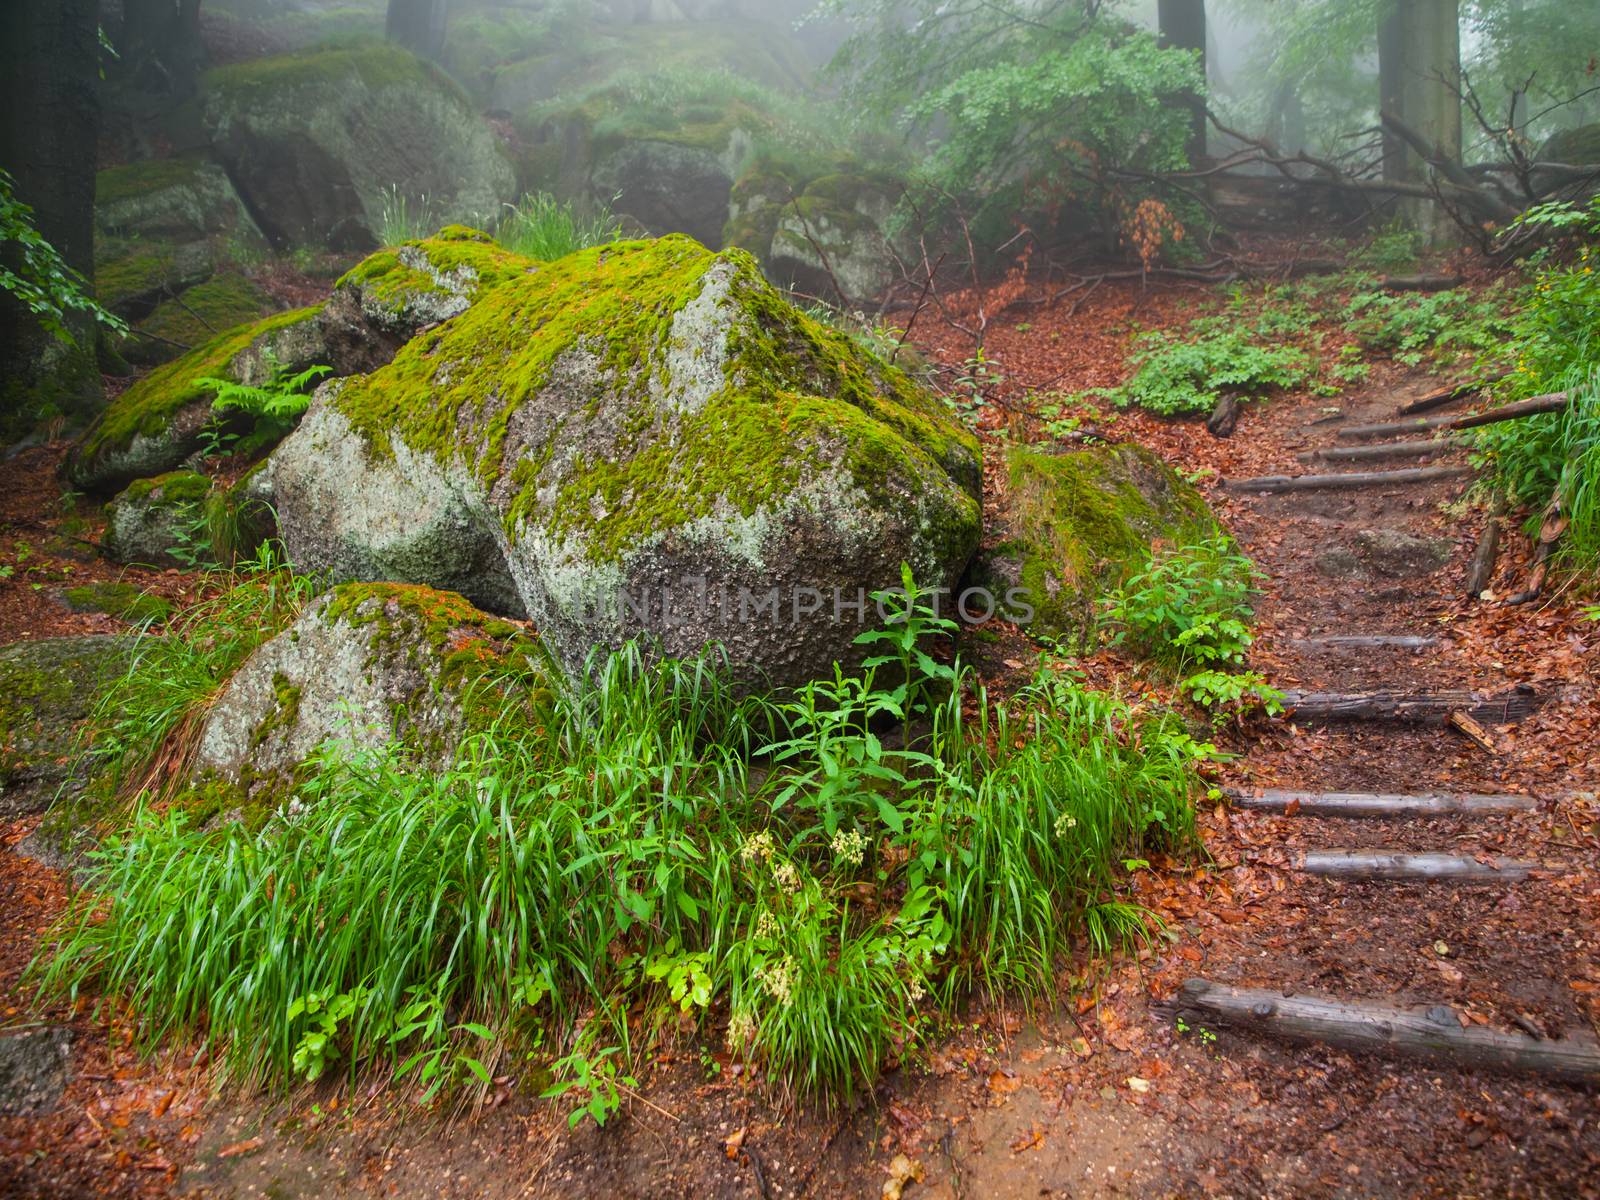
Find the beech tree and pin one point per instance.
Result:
(1183, 27)
(158, 46)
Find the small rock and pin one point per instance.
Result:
(33, 1069)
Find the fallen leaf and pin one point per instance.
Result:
(902, 1171)
(734, 1143)
(1003, 1082)
(1135, 1084)
(249, 1145)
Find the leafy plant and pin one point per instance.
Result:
(1190, 371)
(1232, 693)
(1411, 325)
(40, 279)
(1190, 606)
(273, 408)
(596, 1080)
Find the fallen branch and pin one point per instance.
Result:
(1355, 479)
(1481, 572)
(1549, 403)
(1378, 804)
(1438, 399)
(1420, 283)
(1366, 641)
(1550, 531)
(1434, 1033)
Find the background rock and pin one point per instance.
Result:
(33, 1069)
(160, 522)
(47, 688)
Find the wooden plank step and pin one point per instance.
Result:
(1380, 641)
(1377, 804)
(1412, 708)
(1399, 866)
(1428, 1032)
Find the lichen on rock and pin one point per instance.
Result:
(367, 665)
(637, 425)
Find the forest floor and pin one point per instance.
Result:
(1101, 1095)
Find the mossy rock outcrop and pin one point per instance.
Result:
(224, 301)
(641, 439)
(1073, 525)
(312, 141)
(181, 199)
(160, 522)
(160, 421)
(367, 665)
(132, 276)
(47, 689)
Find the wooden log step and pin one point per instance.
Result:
(1365, 642)
(1377, 804)
(1426, 448)
(1353, 479)
(1548, 403)
(1397, 866)
(1413, 708)
(1435, 1032)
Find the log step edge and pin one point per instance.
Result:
(1433, 1032)
(1376, 804)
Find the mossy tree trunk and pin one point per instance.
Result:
(158, 47)
(49, 124)
(1183, 26)
(419, 25)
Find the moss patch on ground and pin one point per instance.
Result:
(222, 302)
(377, 64)
(121, 600)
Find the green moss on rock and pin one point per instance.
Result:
(47, 689)
(223, 302)
(1075, 524)
(149, 407)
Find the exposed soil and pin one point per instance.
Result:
(1102, 1096)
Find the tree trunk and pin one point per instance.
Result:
(158, 47)
(1427, 78)
(1183, 27)
(419, 25)
(1390, 99)
(49, 124)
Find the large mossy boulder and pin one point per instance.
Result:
(1073, 524)
(160, 522)
(367, 665)
(313, 140)
(224, 301)
(160, 421)
(641, 439)
(182, 199)
(47, 688)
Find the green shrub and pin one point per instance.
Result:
(1190, 371)
(659, 846)
(1556, 333)
(1410, 325)
(1190, 607)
